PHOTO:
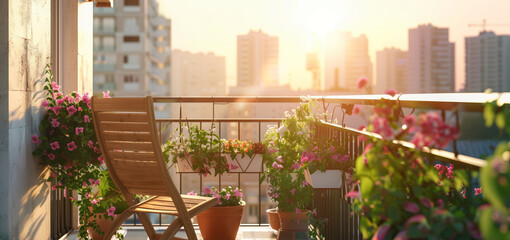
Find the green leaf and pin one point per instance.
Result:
(488, 228)
(500, 120)
(489, 113)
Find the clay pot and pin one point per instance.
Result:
(220, 223)
(274, 219)
(104, 225)
(293, 225)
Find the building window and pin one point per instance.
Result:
(132, 39)
(126, 59)
(131, 2)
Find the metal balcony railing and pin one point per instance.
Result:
(247, 118)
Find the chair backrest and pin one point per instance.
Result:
(130, 143)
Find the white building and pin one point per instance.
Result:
(346, 60)
(488, 62)
(391, 70)
(257, 59)
(431, 60)
(192, 71)
(131, 49)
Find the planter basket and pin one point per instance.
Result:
(239, 163)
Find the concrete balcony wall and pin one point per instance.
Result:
(25, 49)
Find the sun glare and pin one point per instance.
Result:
(321, 17)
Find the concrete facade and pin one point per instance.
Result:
(346, 60)
(25, 48)
(392, 70)
(257, 60)
(132, 50)
(487, 62)
(431, 60)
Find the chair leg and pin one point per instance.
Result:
(188, 227)
(147, 225)
(116, 224)
(172, 229)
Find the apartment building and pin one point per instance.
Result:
(257, 59)
(392, 70)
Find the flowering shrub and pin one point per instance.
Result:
(323, 155)
(392, 178)
(203, 150)
(495, 179)
(68, 146)
(226, 197)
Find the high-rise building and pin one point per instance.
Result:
(192, 71)
(346, 60)
(431, 60)
(132, 49)
(257, 59)
(488, 62)
(391, 70)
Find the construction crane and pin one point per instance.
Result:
(484, 25)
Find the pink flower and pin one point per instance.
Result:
(352, 194)
(94, 201)
(86, 98)
(54, 145)
(100, 159)
(55, 86)
(295, 166)
(79, 109)
(60, 101)
(314, 212)
(106, 94)
(237, 193)
(356, 109)
(391, 92)
(191, 193)
(78, 130)
(35, 139)
(51, 156)
(206, 191)
(91, 144)
(305, 183)
(55, 123)
(362, 82)
(381, 232)
(44, 103)
(275, 195)
(297, 210)
(55, 109)
(86, 119)
(71, 146)
(293, 191)
(111, 211)
(277, 166)
(71, 110)
(478, 191)
(280, 159)
(411, 207)
(227, 196)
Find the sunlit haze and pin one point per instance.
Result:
(212, 26)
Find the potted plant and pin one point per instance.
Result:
(204, 152)
(223, 220)
(68, 146)
(285, 171)
(404, 194)
(199, 152)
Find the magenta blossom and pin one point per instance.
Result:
(227, 196)
(78, 130)
(44, 103)
(86, 98)
(206, 191)
(191, 193)
(71, 110)
(293, 191)
(54, 145)
(277, 166)
(55, 86)
(91, 144)
(237, 193)
(106, 94)
(362, 82)
(55, 123)
(356, 109)
(111, 211)
(71, 146)
(35, 139)
(51, 156)
(478, 191)
(391, 92)
(60, 101)
(86, 119)
(55, 109)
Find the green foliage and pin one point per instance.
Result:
(68, 146)
(404, 193)
(495, 179)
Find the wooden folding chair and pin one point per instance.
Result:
(130, 144)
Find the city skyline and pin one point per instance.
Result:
(205, 26)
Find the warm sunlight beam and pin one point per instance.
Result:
(323, 16)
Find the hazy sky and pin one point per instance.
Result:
(212, 25)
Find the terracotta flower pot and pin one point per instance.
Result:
(104, 225)
(220, 223)
(274, 219)
(293, 225)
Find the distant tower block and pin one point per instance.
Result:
(312, 65)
